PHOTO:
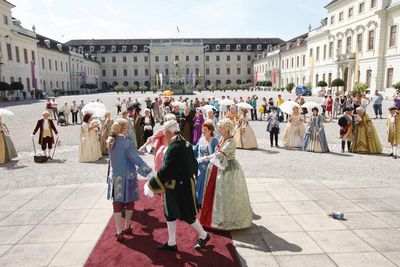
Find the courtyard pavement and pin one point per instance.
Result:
(53, 214)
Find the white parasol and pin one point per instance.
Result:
(5, 112)
(182, 105)
(97, 109)
(226, 102)
(245, 105)
(310, 105)
(287, 107)
(205, 108)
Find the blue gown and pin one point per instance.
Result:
(202, 150)
(315, 139)
(125, 164)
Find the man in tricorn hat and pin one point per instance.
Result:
(346, 128)
(47, 131)
(393, 124)
(176, 180)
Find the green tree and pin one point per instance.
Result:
(397, 87)
(322, 84)
(290, 87)
(17, 86)
(337, 83)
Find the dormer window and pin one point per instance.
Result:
(47, 42)
(113, 48)
(206, 47)
(248, 47)
(134, 48)
(124, 48)
(59, 46)
(91, 48)
(102, 48)
(217, 47)
(81, 49)
(146, 48)
(259, 47)
(238, 47)
(228, 47)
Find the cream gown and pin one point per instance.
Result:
(294, 132)
(89, 147)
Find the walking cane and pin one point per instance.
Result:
(54, 150)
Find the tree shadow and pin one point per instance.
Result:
(266, 151)
(339, 154)
(101, 161)
(57, 161)
(12, 165)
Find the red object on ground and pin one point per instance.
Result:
(150, 230)
(208, 202)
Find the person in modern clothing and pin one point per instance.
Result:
(377, 100)
(54, 107)
(205, 147)
(81, 105)
(366, 139)
(244, 135)
(67, 111)
(294, 131)
(273, 126)
(74, 110)
(226, 204)
(346, 128)
(89, 146)
(336, 108)
(393, 124)
(253, 103)
(175, 180)
(396, 100)
(118, 104)
(122, 180)
(47, 131)
(315, 139)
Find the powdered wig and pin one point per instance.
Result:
(169, 117)
(118, 127)
(360, 109)
(171, 126)
(227, 125)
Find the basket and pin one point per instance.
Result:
(40, 159)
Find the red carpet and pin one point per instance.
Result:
(150, 230)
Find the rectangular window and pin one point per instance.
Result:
(217, 47)
(228, 47)
(348, 44)
(5, 19)
(43, 66)
(283, 64)
(134, 48)
(166, 72)
(371, 40)
(373, 3)
(324, 52)
(134, 59)
(333, 20)
(113, 59)
(248, 71)
(25, 56)
(103, 59)
(91, 48)
(135, 72)
(311, 53)
(156, 59)
(359, 42)
(114, 72)
(351, 12)
(361, 7)
(341, 16)
(292, 63)
(166, 58)
(217, 58)
(33, 56)
(49, 64)
(340, 46)
(298, 61)
(238, 57)
(207, 58)
(66, 68)
(207, 71)
(9, 52)
(238, 47)
(330, 79)
(187, 58)
(196, 58)
(317, 55)
(146, 72)
(393, 36)
(238, 71)
(248, 57)
(304, 60)
(102, 48)
(228, 71)
(113, 48)
(389, 78)
(217, 71)
(124, 48)
(146, 59)
(124, 59)
(55, 65)
(61, 65)
(125, 72)
(228, 58)
(28, 83)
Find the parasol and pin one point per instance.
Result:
(226, 102)
(167, 93)
(287, 107)
(244, 105)
(5, 112)
(310, 105)
(97, 109)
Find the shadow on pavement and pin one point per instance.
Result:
(12, 165)
(266, 151)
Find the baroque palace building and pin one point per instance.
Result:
(358, 41)
(163, 61)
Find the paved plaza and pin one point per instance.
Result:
(53, 214)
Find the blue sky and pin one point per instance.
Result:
(72, 19)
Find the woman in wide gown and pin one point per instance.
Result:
(295, 130)
(105, 132)
(244, 136)
(89, 146)
(226, 204)
(7, 149)
(365, 139)
(186, 124)
(205, 147)
(315, 139)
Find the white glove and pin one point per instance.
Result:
(147, 190)
(142, 149)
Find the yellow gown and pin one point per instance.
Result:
(366, 140)
(394, 130)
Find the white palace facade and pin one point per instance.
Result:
(358, 41)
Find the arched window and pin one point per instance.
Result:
(115, 83)
(208, 82)
(238, 82)
(136, 83)
(218, 82)
(125, 83)
(228, 82)
(147, 84)
(104, 85)
(248, 81)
